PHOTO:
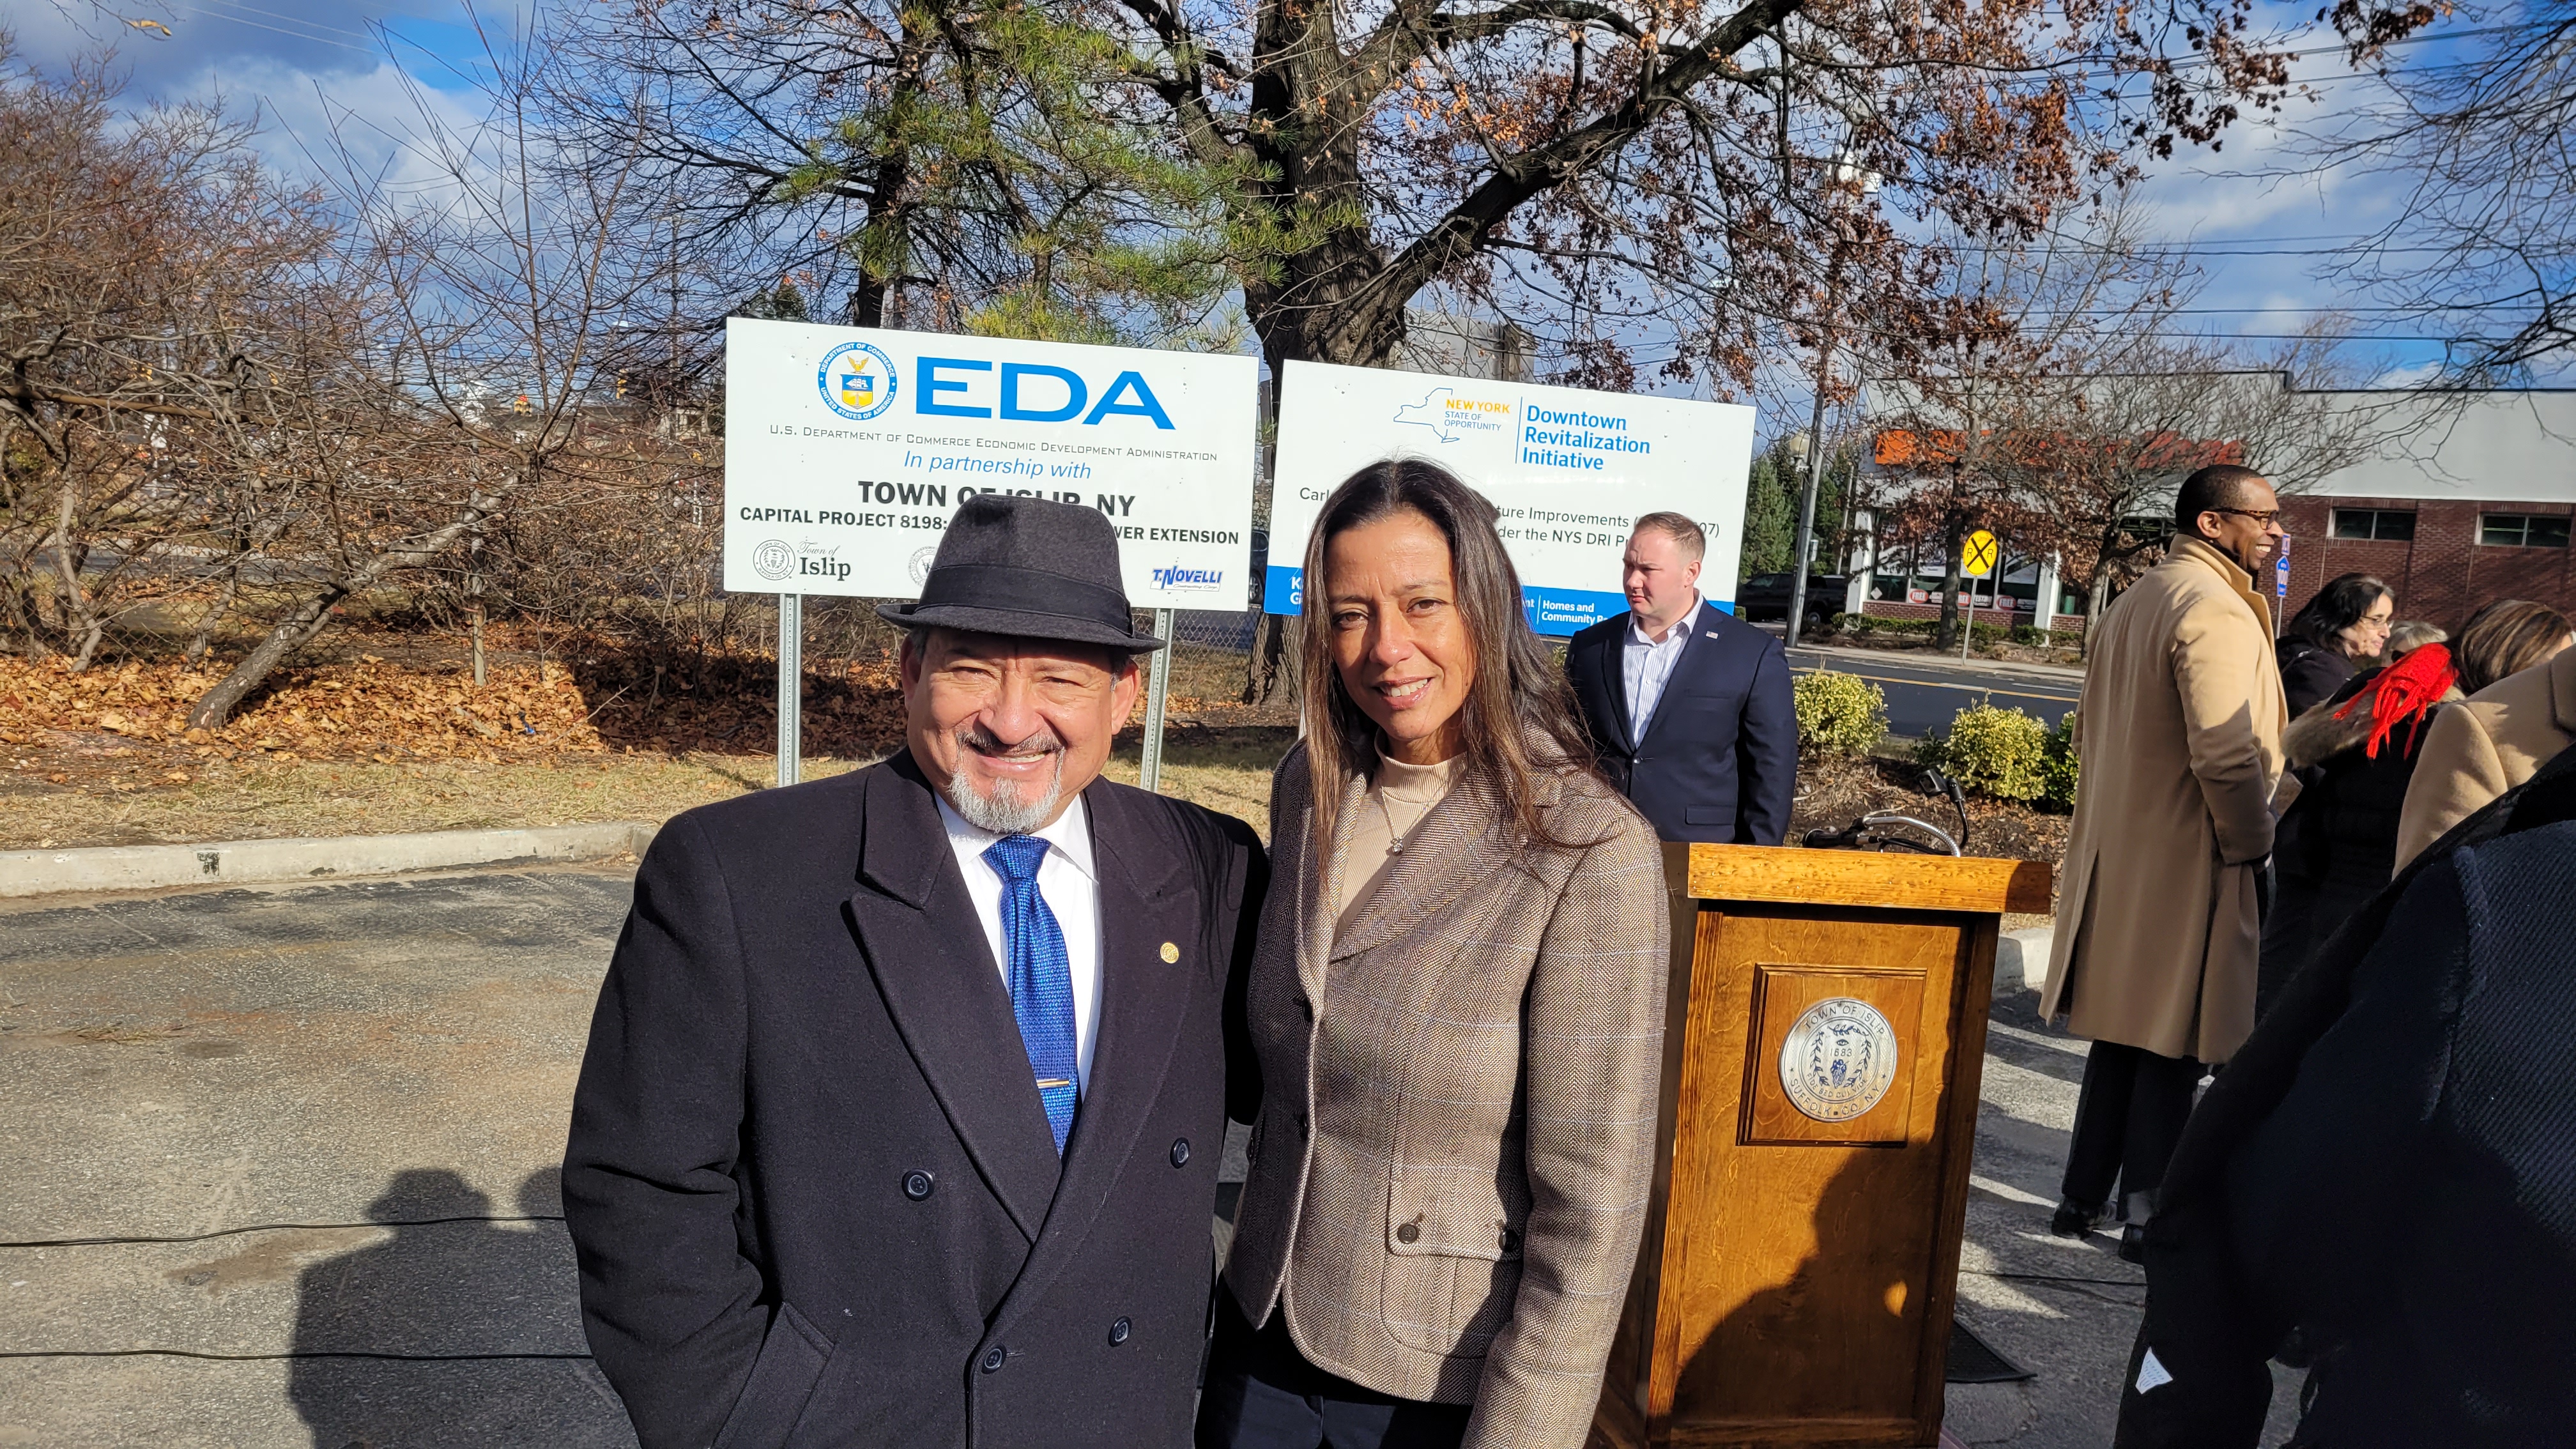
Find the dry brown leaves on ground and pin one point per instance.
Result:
(849, 710)
(366, 709)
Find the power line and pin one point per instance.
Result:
(273, 29)
(292, 19)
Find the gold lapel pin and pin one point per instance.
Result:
(1171, 952)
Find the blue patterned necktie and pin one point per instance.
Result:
(1041, 973)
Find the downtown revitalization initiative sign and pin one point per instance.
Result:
(1570, 471)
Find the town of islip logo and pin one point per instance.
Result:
(1839, 1059)
(856, 380)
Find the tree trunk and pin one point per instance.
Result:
(1952, 537)
(1269, 650)
(1320, 306)
(884, 251)
(311, 617)
(80, 615)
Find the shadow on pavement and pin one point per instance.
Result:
(457, 1332)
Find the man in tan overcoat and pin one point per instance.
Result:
(2158, 922)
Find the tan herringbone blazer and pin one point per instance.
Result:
(1455, 1141)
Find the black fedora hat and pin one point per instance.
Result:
(1028, 567)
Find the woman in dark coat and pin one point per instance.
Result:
(2334, 850)
(2330, 637)
(2357, 751)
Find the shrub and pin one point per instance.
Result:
(1839, 714)
(1873, 624)
(2058, 768)
(1984, 633)
(1998, 752)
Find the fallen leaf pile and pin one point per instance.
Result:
(729, 705)
(366, 709)
(373, 708)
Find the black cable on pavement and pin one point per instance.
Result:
(270, 1357)
(2054, 1278)
(283, 1228)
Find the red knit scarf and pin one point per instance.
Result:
(2402, 694)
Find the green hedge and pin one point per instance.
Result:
(2058, 768)
(1991, 751)
(1985, 633)
(2008, 755)
(1839, 714)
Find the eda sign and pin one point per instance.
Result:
(847, 450)
(1569, 470)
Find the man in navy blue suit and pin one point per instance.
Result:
(1688, 705)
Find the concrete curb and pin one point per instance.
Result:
(1952, 664)
(2021, 958)
(244, 862)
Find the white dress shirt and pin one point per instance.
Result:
(1072, 891)
(1647, 666)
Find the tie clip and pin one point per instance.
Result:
(1046, 1082)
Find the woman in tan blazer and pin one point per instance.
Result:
(2520, 676)
(1457, 1006)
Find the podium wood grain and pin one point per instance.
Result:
(1796, 1280)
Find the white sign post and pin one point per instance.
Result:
(847, 449)
(1569, 469)
(791, 686)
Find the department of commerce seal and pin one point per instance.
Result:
(773, 559)
(856, 381)
(1839, 1059)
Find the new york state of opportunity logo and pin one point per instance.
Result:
(856, 381)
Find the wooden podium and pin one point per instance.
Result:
(1825, 1036)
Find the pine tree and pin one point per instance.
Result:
(1770, 515)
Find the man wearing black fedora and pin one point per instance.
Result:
(904, 1097)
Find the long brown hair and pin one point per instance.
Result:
(1518, 720)
(2506, 637)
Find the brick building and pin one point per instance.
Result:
(2472, 505)
(2459, 501)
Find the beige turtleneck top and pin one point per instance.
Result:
(1395, 803)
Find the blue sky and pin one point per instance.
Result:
(2261, 242)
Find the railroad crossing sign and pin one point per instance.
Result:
(1977, 556)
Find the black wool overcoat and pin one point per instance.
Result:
(810, 1183)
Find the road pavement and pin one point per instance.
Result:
(281, 1171)
(1924, 690)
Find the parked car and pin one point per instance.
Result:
(1766, 596)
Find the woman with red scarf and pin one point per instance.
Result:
(2335, 848)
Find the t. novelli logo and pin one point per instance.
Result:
(773, 559)
(856, 380)
(1188, 581)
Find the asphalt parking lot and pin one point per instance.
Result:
(281, 1171)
